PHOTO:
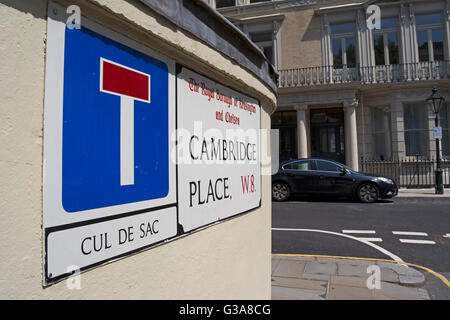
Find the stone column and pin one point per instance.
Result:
(327, 53)
(397, 130)
(351, 134)
(242, 2)
(403, 39)
(302, 136)
(447, 31)
(276, 50)
(413, 34)
(408, 42)
(387, 136)
(364, 35)
(366, 58)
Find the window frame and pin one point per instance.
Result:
(388, 131)
(445, 130)
(426, 130)
(228, 6)
(266, 44)
(284, 123)
(343, 37)
(311, 165)
(429, 28)
(385, 34)
(265, 25)
(316, 167)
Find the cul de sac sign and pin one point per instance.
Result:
(138, 149)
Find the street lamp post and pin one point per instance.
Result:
(436, 101)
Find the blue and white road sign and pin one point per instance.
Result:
(109, 183)
(93, 124)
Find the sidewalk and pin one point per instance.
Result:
(422, 193)
(317, 278)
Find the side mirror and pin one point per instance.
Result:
(343, 171)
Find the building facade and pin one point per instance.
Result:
(353, 87)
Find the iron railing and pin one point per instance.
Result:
(325, 75)
(411, 172)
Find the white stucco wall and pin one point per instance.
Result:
(230, 260)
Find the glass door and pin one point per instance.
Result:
(327, 134)
(288, 149)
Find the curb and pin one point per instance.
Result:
(407, 276)
(422, 193)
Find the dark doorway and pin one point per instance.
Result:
(286, 123)
(288, 148)
(327, 134)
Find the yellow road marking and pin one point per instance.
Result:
(434, 273)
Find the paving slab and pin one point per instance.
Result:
(321, 268)
(300, 283)
(352, 270)
(296, 294)
(297, 258)
(406, 275)
(289, 268)
(395, 291)
(339, 292)
(275, 263)
(389, 275)
(349, 281)
(401, 269)
(343, 279)
(345, 261)
(312, 276)
(411, 280)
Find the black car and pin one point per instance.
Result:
(319, 176)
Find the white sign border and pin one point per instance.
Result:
(179, 68)
(52, 145)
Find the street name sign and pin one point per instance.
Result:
(219, 167)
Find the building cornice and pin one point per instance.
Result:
(362, 5)
(268, 6)
(327, 6)
(206, 24)
(263, 18)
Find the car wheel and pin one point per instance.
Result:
(368, 193)
(280, 191)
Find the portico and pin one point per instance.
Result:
(351, 135)
(325, 126)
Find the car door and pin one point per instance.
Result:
(328, 178)
(300, 175)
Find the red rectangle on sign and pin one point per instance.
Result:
(124, 81)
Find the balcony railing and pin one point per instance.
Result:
(326, 75)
